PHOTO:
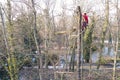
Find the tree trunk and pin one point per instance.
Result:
(117, 44)
(12, 67)
(79, 44)
(88, 40)
(104, 30)
(36, 40)
(72, 61)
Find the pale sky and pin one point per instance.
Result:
(88, 5)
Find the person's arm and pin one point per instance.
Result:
(87, 18)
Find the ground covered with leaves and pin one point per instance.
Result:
(50, 74)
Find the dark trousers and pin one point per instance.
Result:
(84, 25)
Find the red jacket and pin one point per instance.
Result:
(85, 18)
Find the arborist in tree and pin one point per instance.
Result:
(85, 21)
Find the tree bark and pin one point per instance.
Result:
(12, 67)
(117, 43)
(36, 40)
(104, 30)
(79, 43)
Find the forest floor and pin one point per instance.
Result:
(104, 73)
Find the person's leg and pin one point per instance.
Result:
(84, 25)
